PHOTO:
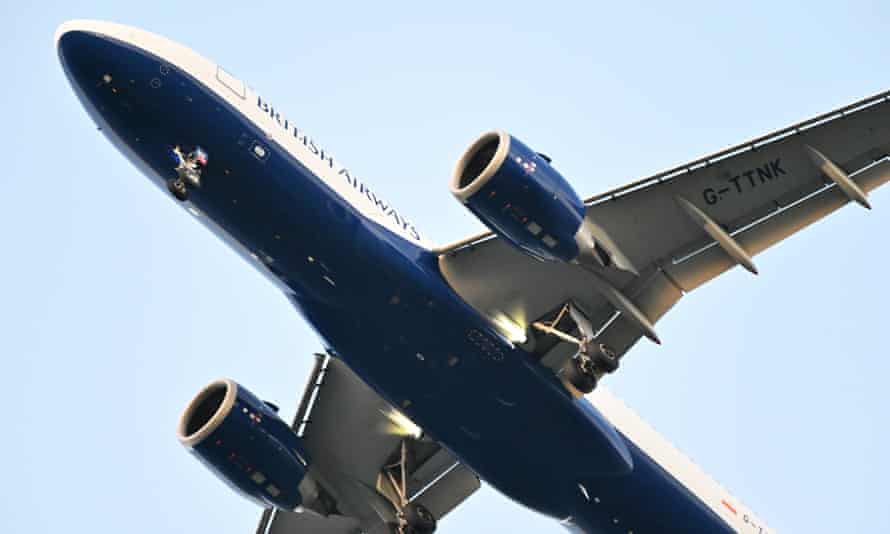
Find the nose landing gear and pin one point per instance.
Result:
(189, 167)
(178, 189)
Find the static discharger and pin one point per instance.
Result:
(718, 234)
(838, 176)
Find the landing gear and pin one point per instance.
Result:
(417, 519)
(604, 358)
(579, 372)
(593, 359)
(189, 167)
(177, 187)
(411, 516)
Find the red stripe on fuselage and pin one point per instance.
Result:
(731, 509)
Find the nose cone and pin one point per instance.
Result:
(74, 48)
(111, 68)
(84, 51)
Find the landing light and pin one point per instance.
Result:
(510, 328)
(400, 425)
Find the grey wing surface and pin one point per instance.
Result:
(352, 436)
(683, 227)
(279, 522)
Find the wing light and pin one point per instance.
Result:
(398, 424)
(510, 328)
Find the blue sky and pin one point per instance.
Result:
(115, 307)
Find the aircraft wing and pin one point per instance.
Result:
(683, 227)
(352, 435)
(672, 460)
(277, 522)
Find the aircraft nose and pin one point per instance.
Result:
(110, 74)
(82, 52)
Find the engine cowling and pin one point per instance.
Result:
(244, 442)
(517, 193)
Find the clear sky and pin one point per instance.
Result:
(116, 307)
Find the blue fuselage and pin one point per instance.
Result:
(380, 303)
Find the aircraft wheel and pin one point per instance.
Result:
(580, 378)
(605, 358)
(419, 519)
(177, 187)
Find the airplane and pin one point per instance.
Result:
(443, 366)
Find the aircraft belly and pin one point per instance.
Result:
(378, 300)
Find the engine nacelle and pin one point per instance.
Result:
(244, 442)
(517, 193)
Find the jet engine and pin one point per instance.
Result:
(517, 193)
(244, 442)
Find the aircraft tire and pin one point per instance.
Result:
(419, 519)
(580, 380)
(606, 359)
(178, 189)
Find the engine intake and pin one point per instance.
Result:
(517, 193)
(244, 442)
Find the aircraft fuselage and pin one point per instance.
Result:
(363, 277)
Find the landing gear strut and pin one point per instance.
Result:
(411, 517)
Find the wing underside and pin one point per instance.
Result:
(685, 226)
(353, 437)
(679, 229)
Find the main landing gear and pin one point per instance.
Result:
(411, 517)
(592, 361)
(415, 519)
